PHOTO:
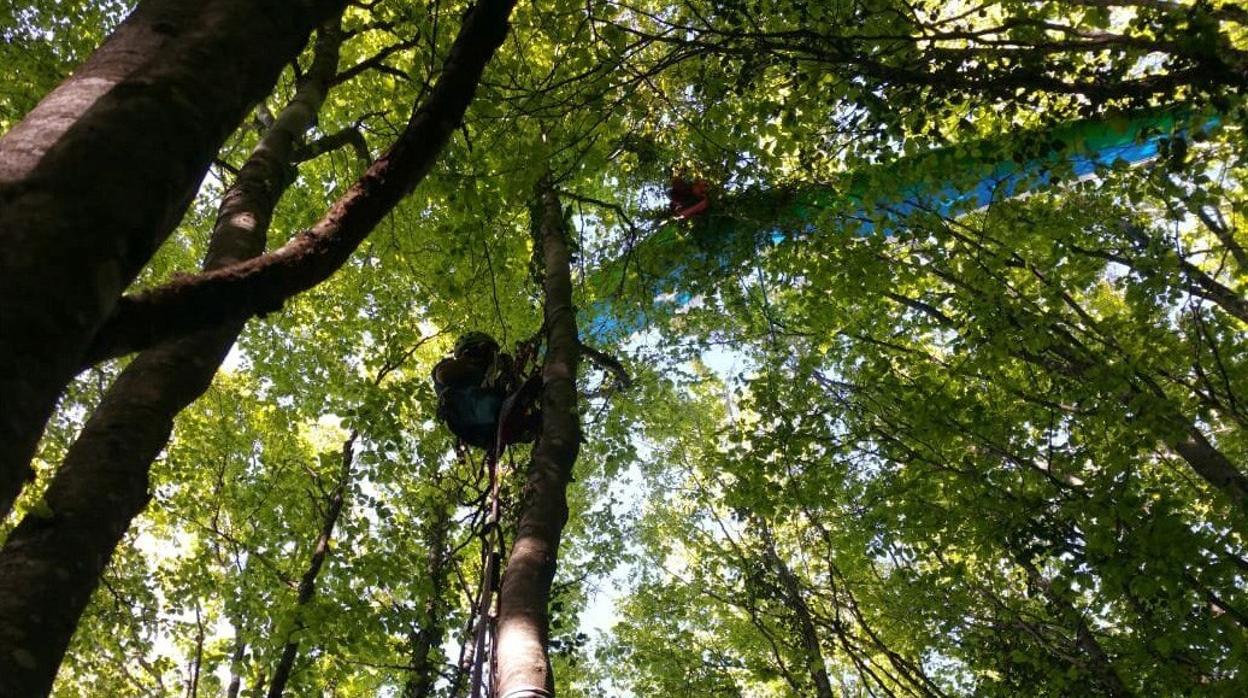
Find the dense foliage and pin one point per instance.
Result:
(976, 452)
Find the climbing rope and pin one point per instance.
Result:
(493, 547)
(527, 692)
(484, 645)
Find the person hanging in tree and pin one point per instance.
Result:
(689, 198)
(478, 385)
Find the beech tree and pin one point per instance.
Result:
(142, 119)
(33, 559)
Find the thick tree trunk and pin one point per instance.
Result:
(307, 585)
(50, 566)
(101, 171)
(261, 285)
(523, 669)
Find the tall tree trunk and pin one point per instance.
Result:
(523, 623)
(236, 665)
(49, 566)
(424, 675)
(1095, 659)
(307, 585)
(796, 599)
(95, 178)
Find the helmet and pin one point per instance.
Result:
(470, 341)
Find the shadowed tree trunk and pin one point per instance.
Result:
(424, 675)
(791, 586)
(50, 565)
(236, 662)
(307, 584)
(95, 178)
(1094, 659)
(523, 623)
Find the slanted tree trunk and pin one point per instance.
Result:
(791, 587)
(523, 669)
(95, 178)
(1183, 437)
(261, 285)
(1209, 462)
(307, 584)
(49, 566)
(1094, 660)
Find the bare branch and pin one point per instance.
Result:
(349, 136)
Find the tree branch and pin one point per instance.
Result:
(350, 136)
(261, 285)
(609, 364)
(377, 61)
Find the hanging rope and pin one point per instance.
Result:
(491, 557)
(493, 547)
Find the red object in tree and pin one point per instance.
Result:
(688, 198)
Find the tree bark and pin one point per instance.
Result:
(523, 626)
(95, 178)
(792, 587)
(49, 566)
(1096, 661)
(424, 675)
(236, 661)
(263, 284)
(307, 584)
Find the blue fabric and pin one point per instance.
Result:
(472, 414)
